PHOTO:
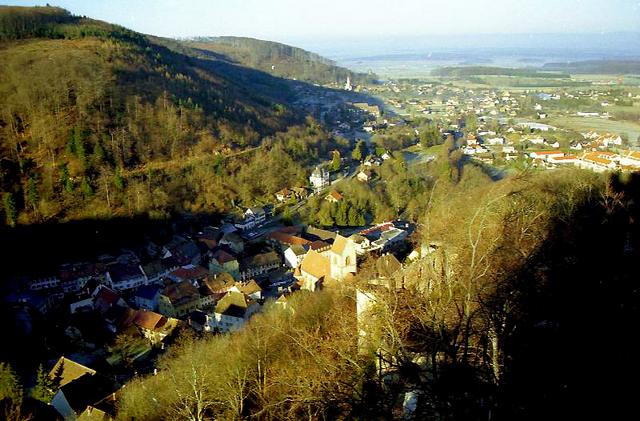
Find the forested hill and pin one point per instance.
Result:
(465, 71)
(99, 121)
(277, 59)
(597, 67)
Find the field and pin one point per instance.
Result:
(599, 125)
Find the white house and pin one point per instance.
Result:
(563, 160)
(334, 264)
(545, 155)
(496, 141)
(364, 176)
(252, 217)
(319, 178)
(293, 255)
(232, 311)
(632, 159)
(44, 283)
(125, 277)
(343, 257)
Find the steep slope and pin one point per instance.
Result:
(85, 105)
(277, 59)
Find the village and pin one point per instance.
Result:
(119, 313)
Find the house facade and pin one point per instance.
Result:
(319, 179)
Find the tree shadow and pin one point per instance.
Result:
(575, 311)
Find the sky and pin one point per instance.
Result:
(307, 21)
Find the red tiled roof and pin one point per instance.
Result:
(149, 320)
(319, 245)
(223, 257)
(335, 195)
(190, 273)
(288, 239)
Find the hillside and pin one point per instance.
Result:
(97, 120)
(277, 59)
(501, 319)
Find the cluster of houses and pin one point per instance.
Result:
(81, 392)
(448, 101)
(593, 140)
(190, 296)
(593, 152)
(598, 161)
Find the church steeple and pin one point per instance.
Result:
(348, 86)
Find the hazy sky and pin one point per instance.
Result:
(298, 20)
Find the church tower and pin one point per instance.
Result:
(348, 86)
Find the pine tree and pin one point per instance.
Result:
(86, 188)
(324, 216)
(65, 179)
(10, 387)
(287, 217)
(44, 388)
(32, 193)
(356, 217)
(359, 151)
(118, 179)
(11, 214)
(98, 153)
(335, 163)
(342, 219)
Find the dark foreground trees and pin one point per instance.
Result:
(495, 321)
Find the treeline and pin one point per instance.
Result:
(466, 71)
(597, 67)
(27, 22)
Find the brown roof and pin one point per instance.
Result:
(321, 234)
(232, 298)
(149, 320)
(319, 245)
(262, 259)
(181, 290)
(334, 195)
(222, 282)
(68, 371)
(387, 265)
(315, 264)
(339, 245)
(196, 272)
(223, 257)
(250, 287)
(282, 237)
(292, 230)
(107, 295)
